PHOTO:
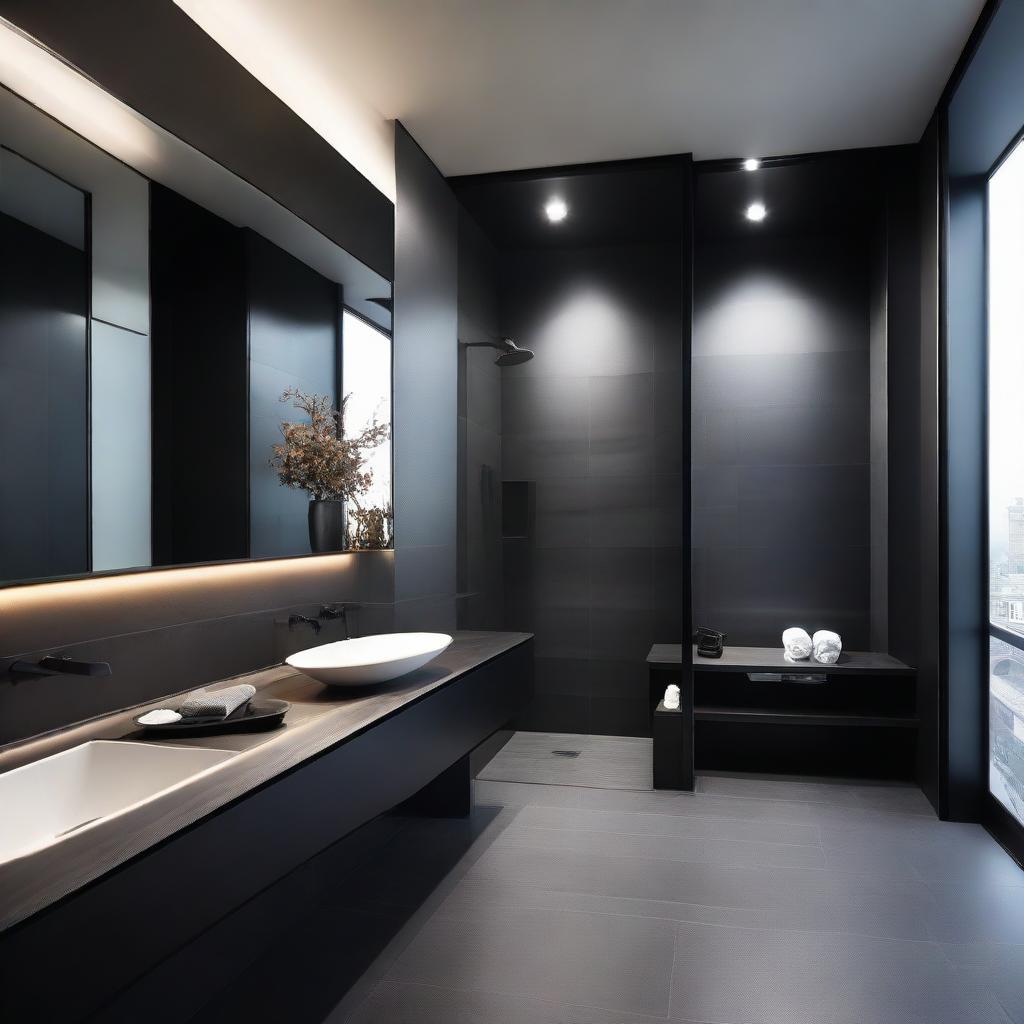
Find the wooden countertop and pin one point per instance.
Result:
(320, 717)
(771, 659)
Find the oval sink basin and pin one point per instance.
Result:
(369, 659)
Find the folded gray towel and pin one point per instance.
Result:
(218, 704)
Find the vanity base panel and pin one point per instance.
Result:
(112, 933)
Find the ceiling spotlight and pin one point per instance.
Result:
(751, 164)
(556, 210)
(756, 212)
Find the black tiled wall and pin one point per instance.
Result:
(594, 423)
(781, 454)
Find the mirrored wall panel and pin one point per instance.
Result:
(188, 371)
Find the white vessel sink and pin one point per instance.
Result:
(369, 659)
(49, 799)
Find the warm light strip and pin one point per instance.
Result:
(259, 37)
(71, 98)
(140, 585)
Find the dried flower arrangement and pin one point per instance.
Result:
(370, 528)
(319, 457)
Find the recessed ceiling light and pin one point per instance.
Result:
(556, 210)
(751, 164)
(756, 212)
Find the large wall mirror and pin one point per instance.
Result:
(188, 371)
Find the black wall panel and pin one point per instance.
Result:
(781, 438)
(425, 389)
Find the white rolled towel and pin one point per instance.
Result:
(797, 644)
(671, 699)
(827, 646)
(216, 704)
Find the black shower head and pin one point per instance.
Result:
(512, 355)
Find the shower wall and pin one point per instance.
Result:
(575, 465)
(593, 427)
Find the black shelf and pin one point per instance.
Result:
(772, 716)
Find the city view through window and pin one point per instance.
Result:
(1006, 480)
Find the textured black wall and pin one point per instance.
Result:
(781, 472)
(594, 423)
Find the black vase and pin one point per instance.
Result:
(326, 525)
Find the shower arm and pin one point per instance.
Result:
(499, 345)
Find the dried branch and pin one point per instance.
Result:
(317, 457)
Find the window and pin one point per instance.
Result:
(1006, 480)
(366, 381)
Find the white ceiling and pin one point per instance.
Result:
(489, 85)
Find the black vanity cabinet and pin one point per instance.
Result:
(235, 320)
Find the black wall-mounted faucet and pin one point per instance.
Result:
(52, 666)
(294, 621)
(339, 611)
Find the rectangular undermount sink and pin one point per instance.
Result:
(52, 798)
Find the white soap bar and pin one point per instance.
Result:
(161, 716)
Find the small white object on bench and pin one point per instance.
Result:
(797, 644)
(671, 700)
(827, 646)
(160, 716)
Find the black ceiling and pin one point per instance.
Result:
(608, 205)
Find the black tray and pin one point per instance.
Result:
(250, 717)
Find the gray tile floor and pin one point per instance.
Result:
(751, 901)
(569, 759)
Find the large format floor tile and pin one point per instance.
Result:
(751, 901)
(650, 823)
(731, 852)
(618, 963)
(398, 1003)
(767, 976)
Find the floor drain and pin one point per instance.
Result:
(566, 753)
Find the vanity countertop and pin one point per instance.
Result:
(320, 717)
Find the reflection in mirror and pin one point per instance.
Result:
(151, 318)
(44, 302)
